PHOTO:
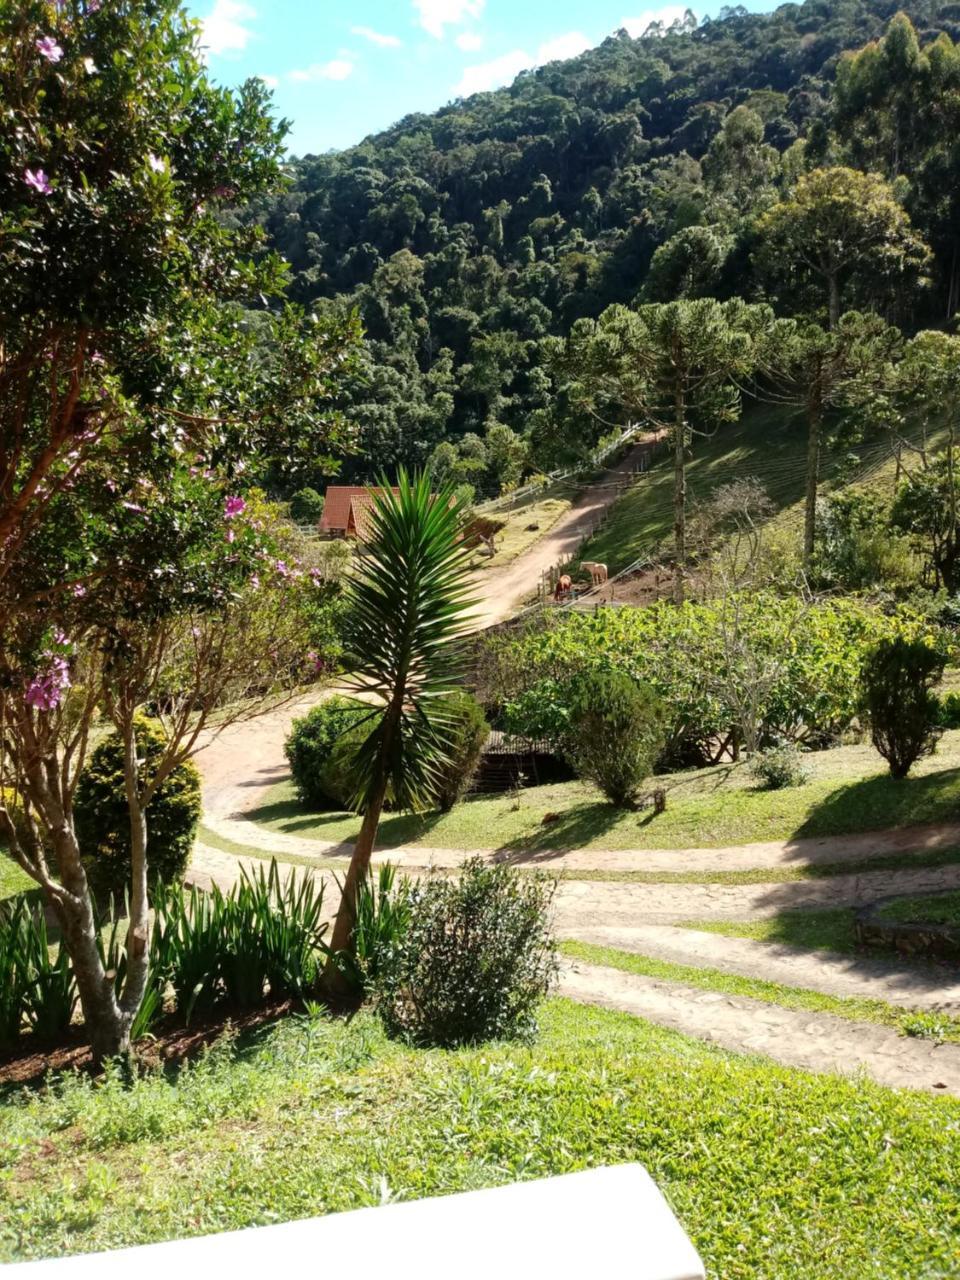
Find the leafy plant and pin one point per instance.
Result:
(617, 733)
(467, 733)
(102, 815)
(779, 767)
(898, 698)
(383, 918)
(475, 962)
(306, 506)
(319, 750)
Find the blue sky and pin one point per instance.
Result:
(341, 69)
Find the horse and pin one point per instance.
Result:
(563, 588)
(598, 572)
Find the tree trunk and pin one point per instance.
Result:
(342, 940)
(834, 286)
(679, 498)
(814, 427)
(138, 925)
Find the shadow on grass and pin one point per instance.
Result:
(571, 830)
(882, 803)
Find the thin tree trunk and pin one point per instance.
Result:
(679, 497)
(834, 286)
(814, 428)
(138, 925)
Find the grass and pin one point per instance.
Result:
(847, 792)
(853, 1008)
(516, 537)
(830, 929)
(774, 1172)
(12, 879)
(941, 908)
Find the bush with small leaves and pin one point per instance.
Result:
(779, 768)
(617, 733)
(102, 816)
(306, 507)
(477, 958)
(898, 700)
(467, 732)
(319, 748)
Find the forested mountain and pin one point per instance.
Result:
(643, 170)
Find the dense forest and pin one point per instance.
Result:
(704, 160)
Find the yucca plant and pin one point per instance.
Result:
(51, 995)
(383, 917)
(408, 616)
(14, 970)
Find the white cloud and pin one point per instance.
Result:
(469, 42)
(336, 69)
(560, 47)
(224, 29)
(437, 14)
(377, 37)
(669, 14)
(500, 71)
(270, 81)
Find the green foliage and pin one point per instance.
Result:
(477, 958)
(898, 698)
(467, 732)
(380, 929)
(779, 767)
(925, 508)
(320, 748)
(306, 506)
(37, 988)
(616, 733)
(102, 816)
(815, 654)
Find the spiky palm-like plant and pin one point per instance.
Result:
(408, 610)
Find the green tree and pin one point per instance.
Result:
(408, 616)
(837, 224)
(678, 366)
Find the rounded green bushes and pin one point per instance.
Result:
(102, 817)
(323, 745)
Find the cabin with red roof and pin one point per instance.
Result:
(346, 511)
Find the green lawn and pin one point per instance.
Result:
(941, 908)
(847, 792)
(775, 1173)
(831, 929)
(12, 879)
(853, 1008)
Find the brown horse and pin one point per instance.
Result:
(563, 588)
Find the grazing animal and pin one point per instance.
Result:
(598, 572)
(563, 588)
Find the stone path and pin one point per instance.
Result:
(814, 1042)
(766, 856)
(872, 977)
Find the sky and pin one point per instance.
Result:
(341, 69)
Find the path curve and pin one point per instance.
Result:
(812, 1041)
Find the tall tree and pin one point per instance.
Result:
(677, 366)
(838, 224)
(820, 371)
(408, 606)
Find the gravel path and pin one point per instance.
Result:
(811, 1041)
(873, 977)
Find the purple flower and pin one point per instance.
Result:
(79, 590)
(92, 6)
(135, 507)
(231, 535)
(37, 179)
(233, 507)
(45, 691)
(281, 568)
(48, 48)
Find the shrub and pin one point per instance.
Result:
(320, 747)
(617, 732)
(383, 918)
(468, 734)
(477, 958)
(306, 506)
(779, 768)
(948, 715)
(103, 819)
(36, 983)
(898, 699)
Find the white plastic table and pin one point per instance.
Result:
(602, 1223)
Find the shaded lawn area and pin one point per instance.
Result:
(848, 792)
(941, 908)
(773, 1172)
(829, 930)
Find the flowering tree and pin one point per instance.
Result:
(140, 397)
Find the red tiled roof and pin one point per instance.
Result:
(338, 507)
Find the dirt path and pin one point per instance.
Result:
(811, 1041)
(871, 977)
(502, 591)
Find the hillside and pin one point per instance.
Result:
(470, 238)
